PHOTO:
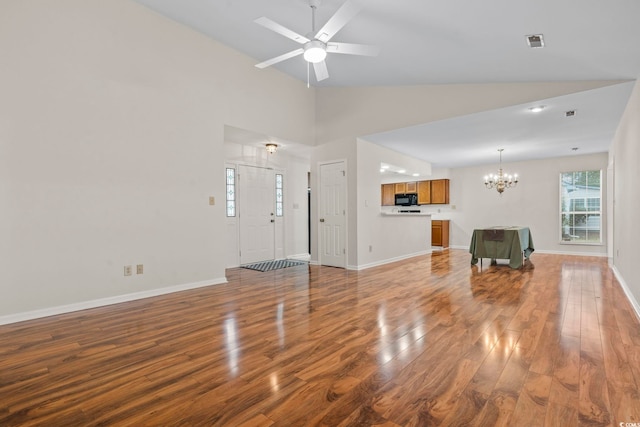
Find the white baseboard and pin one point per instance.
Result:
(387, 261)
(627, 291)
(543, 251)
(596, 254)
(84, 305)
(300, 257)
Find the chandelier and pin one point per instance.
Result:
(271, 147)
(501, 180)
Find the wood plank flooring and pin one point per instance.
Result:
(423, 342)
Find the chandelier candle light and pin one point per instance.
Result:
(501, 180)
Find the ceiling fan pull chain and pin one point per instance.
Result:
(307, 75)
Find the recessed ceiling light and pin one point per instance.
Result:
(536, 109)
(402, 171)
(382, 169)
(535, 41)
(416, 174)
(385, 166)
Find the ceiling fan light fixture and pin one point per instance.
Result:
(315, 51)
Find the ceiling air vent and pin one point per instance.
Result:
(570, 113)
(535, 40)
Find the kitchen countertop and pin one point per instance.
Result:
(405, 214)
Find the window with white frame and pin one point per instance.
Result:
(279, 195)
(581, 206)
(231, 192)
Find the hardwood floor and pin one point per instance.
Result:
(425, 341)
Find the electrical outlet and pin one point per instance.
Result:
(139, 269)
(127, 270)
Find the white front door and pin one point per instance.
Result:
(333, 214)
(256, 192)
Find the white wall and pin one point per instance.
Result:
(360, 111)
(380, 238)
(111, 141)
(533, 203)
(345, 114)
(626, 205)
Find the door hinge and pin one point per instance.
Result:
(344, 251)
(344, 173)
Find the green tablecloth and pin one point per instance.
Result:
(501, 243)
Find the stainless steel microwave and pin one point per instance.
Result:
(406, 199)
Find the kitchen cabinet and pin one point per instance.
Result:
(440, 233)
(388, 195)
(434, 192)
(424, 192)
(440, 192)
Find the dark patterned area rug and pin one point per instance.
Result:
(273, 265)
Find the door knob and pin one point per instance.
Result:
(273, 220)
(321, 219)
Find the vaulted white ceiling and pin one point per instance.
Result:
(465, 41)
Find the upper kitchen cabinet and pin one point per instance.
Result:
(424, 192)
(435, 192)
(388, 194)
(440, 192)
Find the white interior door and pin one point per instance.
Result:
(256, 192)
(333, 214)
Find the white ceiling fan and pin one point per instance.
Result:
(316, 45)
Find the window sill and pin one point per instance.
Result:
(575, 242)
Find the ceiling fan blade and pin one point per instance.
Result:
(280, 58)
(321, 71)
(353, 49)
(284, 31)
(347, 11)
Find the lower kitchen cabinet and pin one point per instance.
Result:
(440, 232)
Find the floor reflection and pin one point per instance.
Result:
(440, 262)
(483, 288)
(232, 345)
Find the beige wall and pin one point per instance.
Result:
(359, 111)
(111, 142)
(535, 202)
(346, 114)
(626, 204)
